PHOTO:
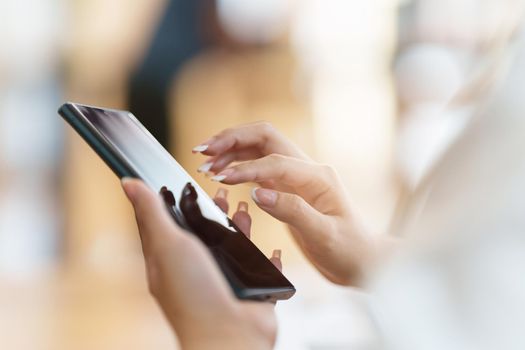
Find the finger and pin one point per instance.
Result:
(242, 219)
(167, 250)
(261, 135)
(206, 168)
(218, 163)
(276, 259)
(249, 135)
(153, 221)
(286, 170)
(221, 199)
(293, 210)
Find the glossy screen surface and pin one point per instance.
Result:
(242, 263)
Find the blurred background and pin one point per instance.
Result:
(378, 89)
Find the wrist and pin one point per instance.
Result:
(354, 251)
(228, 333)
(223, 343)
(232, 340)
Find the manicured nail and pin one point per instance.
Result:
(204, 168)
(222, 175)
(243, 206)
(218, 178)
(200, 148)
(277, 254)
(264, 197)
(222, 193)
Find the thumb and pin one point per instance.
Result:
(181, 273)
(153, 220)
(291, 209)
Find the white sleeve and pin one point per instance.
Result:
(470, 295)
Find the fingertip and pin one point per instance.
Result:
(205, 168)
(129, 185)
(224, 175)
(221, 199)
(138, 193)
(200, 148)
(218, 178)
(126, 181)
(264, 197)
(254, 194)
(203, 147)
(243, 221)
(222, 193)
(276, 259)
(242, 207)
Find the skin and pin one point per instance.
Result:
(197, 302)
(306, 195)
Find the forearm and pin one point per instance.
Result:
(223, 343)
(244, 327)
(362, 254)
(233, 338)
(381, 248)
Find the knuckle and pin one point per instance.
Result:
(297, 207)
(266, 127)
(225, 132)
(328, 171)
(278, 163)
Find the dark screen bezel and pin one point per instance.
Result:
(122, 168)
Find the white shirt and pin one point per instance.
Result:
(460, 281)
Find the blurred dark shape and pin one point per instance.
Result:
(171, 204)
(185, 29)
(168, 197)
(210, 232)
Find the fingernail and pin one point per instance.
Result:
(200, 148)
(243, 206)
(204, 168)
(277, 254)
(222, 193)
(218, 178)
(264, 197)
(222, 175)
